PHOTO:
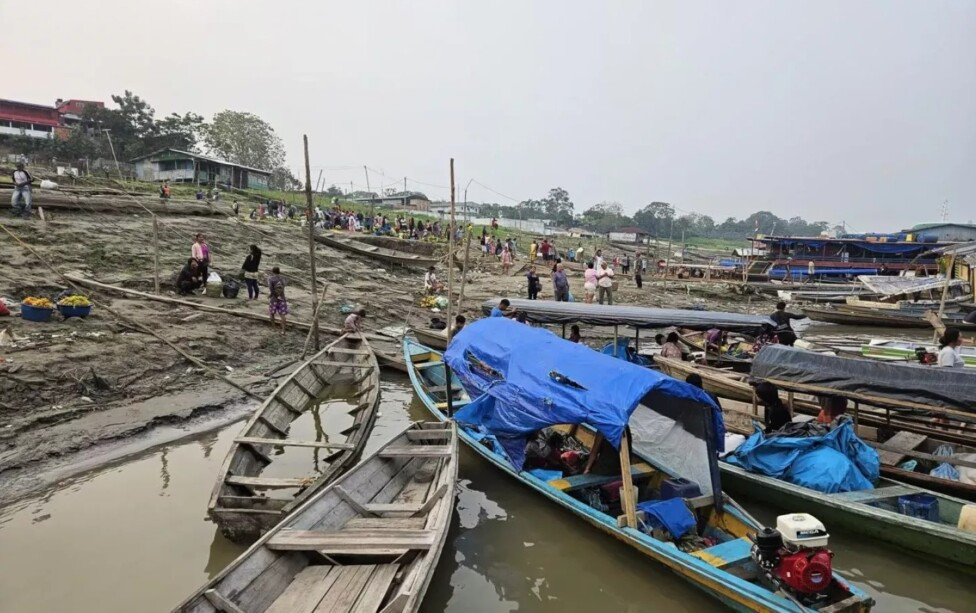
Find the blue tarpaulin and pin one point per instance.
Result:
(525, 379)
(836, 462)
(673, 515)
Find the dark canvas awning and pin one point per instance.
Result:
(551, 312)
(886, 384)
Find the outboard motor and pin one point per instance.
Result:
(794, 556)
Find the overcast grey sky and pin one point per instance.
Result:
(854, 110)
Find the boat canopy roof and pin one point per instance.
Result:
(551, 312)
(879, 383)
(525, 379)
(894, 286)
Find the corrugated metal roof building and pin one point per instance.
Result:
(178, 166)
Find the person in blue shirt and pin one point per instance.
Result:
(504, 309)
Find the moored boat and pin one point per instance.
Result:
(907, 351)
(240, 504)
(367, 543)
(531, 380)
(338, 240)
(431, 338)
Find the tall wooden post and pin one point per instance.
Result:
(627, 496)
(311, 246)
(945, 288)
(464, 266)
(156, 254)
(450, 296)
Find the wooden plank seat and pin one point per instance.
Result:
(348, 351)
(384, 523)
(416, 451)
(424, 435)
(341, 364)
(875, 495)
(727, 553)
(577, 482)
(341, 589)
(352, 542)
(284, 442)
(456, 403)
(268, 482)
(430, 364)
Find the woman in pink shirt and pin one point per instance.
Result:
(589, 283)
(201, 253)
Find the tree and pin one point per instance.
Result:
(655, 218)
(244, 138)
(605, 217)
(179, 132)
(558, 207)
(334, 191)
(282, 180)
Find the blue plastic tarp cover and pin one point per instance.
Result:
(673, 515)
(836, 462)
(525, 379)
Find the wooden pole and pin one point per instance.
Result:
(667, 256)
(945, 288)
(450, 296)
(315, 318)
(311, 248)
(156, 254)
(627, 496)
(464, 266)
(615, 341)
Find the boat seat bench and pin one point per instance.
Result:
(875, 495)
(727, 553)
(341, 589)
(578, 482)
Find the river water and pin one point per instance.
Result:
(133, 537)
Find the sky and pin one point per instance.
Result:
(860, 111)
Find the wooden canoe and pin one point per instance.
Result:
(696, 342)
(338, 240)
(368, 542)
(871, 513)
(241, 504)
(436, 339)
(858, 316)
(723, 571)
(928, 437)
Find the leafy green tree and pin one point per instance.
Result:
(282, 180)
(179, 132)
(655, 218)
(244, 138)
(605, 217)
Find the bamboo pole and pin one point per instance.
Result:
(450, 295)
(464, 267)
(133, 323)
(314, 332)
(315, 318)
(630, 503)
(156, 254)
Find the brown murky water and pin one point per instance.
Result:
(133, 537)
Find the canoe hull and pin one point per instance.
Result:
(907, 533)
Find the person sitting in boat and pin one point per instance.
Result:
(504, 309)
(604, 459)
(831, 407)
(784, 330)
(459, 322)
(949, 344)
(776, 414)
(715, 339)
(574, 334)
(544, 451)
(696, 380)
(671, 347)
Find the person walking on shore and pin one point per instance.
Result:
(200, 251)
(22, 197)
(560, 284)
(506, 260)
(277, 303)
(250, 269)
(534, 284)
(639, 271)
(589, 283)
(604, 283)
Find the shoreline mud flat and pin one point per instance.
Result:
(76, 392)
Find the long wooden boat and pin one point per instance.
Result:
(724, 571)
(367, 543)
(240, 504)
(871, 513)
(739, 363)
(893, 350)
(431, 338)
(926, 439)
(400, 244)
(338, 240)
(860, 316)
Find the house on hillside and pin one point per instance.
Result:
(943, 232)
(412, 201)
(629, 234)
(581, 233)
(462, 210)
(178, 166)
(39, 120)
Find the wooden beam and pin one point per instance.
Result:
(221, 602)
(629, 502)
(289, 539)
(264, 420)
(431, 501)
(268, 482)
(341, 364)
(355, 504)
(254, 440)
(418, 451)
(287, 404)
(423, 435)
(304, 389)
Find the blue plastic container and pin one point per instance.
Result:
(35, 314)
(679, 487)
(922, 506)
(75, 311)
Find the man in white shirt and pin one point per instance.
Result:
(431, 284)
(604, 283)
(22, 198)
(598, 261)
